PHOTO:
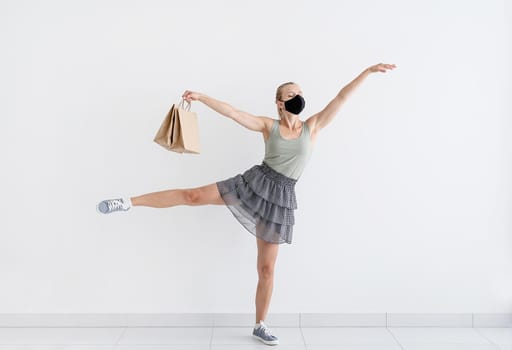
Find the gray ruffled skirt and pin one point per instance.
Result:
(263, 201)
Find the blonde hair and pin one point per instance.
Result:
(279, 95)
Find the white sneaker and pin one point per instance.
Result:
(111, 205)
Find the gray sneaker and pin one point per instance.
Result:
(111, 205)
(264, 334)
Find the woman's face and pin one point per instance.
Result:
(287, 93)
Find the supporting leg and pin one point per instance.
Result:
(263, 295)
(267, 255)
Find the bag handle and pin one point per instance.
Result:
(182, 107)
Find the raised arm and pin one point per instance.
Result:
(245, 119)
(319, 120)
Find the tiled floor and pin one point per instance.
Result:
(222, 338)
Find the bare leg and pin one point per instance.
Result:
(162, 199)
(203, 195)
(267, 255)
(263, 295)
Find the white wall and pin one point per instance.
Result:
(404, 207)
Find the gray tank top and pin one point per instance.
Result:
(288, 156)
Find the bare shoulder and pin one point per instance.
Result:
(268, 122)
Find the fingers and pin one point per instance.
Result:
(382, 67)
(388, 66)
(187, 95)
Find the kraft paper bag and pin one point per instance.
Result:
(179, 131)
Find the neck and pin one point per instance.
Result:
(292, 121)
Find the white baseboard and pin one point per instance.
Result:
(248, 320)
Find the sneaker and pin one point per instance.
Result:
(110, 205)
(264, 334)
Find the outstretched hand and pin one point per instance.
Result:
(381, 67)
(190, 96)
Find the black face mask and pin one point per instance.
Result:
(295, 105)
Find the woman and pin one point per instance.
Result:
(263, 198)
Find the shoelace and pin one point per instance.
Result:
(266, 330)
(114, 204)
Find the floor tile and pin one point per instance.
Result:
(240, 338)
(166, 335)
(60, 335)
(450, 346)
(257, 346)
(356, 347)
(56, 347)
(163, 347)
(499, 336)
(348, 335)
(430, 337)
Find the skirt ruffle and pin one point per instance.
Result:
(263, 201)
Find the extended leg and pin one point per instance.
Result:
(203, 195)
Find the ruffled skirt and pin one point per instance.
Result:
(263, 201)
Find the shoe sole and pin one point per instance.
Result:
(268, 342)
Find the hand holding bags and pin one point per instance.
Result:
(179, 131)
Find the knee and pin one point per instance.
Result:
(266, 272)
(192, 196)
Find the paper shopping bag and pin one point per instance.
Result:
(179, 132)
